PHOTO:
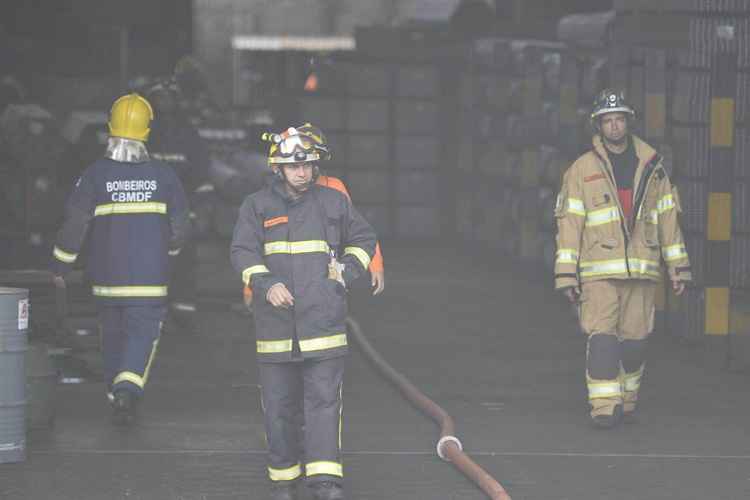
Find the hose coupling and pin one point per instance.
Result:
(443, 441)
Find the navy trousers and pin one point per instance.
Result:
(130, 337)
(302, 408)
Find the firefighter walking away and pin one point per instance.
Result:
(136, 212)
(175, 142)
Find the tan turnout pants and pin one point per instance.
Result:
(623, 310)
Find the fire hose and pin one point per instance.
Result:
(449, 448)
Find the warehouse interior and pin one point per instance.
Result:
(451, 122)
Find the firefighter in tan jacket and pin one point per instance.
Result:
(617, 220)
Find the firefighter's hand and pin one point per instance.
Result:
(59, 281)
(378, 281)
(279, 296)
(678, 287)
(573, 293)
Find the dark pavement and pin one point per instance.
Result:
(497, 349)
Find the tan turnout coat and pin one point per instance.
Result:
(595, 241)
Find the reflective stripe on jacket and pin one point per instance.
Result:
(281, 240)
(595, 241)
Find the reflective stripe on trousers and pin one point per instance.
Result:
(130, 340)
(305, 345)
(604, 389)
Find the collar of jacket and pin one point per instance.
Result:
(643, 151)
(126, 150)
(646, 156)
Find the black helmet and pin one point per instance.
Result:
(610, 101)
(164, 95)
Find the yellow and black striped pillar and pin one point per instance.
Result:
(719, 217)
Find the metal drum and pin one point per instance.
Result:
(14, 323)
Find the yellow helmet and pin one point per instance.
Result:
(130, 118)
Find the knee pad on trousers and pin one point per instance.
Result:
(603, 356)
(633, 355)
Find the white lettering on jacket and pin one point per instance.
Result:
(132, 196)
(136, 190)
(131, 185)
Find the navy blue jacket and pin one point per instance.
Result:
(138, 215)
(174, 141)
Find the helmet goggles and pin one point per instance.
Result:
(289, 145)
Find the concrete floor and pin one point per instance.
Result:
(499, 351)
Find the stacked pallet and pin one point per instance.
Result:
(486, 201)
(383, 121)
(509, 157)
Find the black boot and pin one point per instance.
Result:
(123, 408)
(283, 490)
(608, 421)
(327, 490)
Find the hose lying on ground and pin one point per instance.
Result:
(448, 447)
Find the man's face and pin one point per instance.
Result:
(614, 127)
(298, 175)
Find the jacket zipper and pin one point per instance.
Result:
(295, 336)
(623, 227)
(641, 193)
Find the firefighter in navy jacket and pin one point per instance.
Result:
(136, 213)
(299, 245)
(176, 142)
